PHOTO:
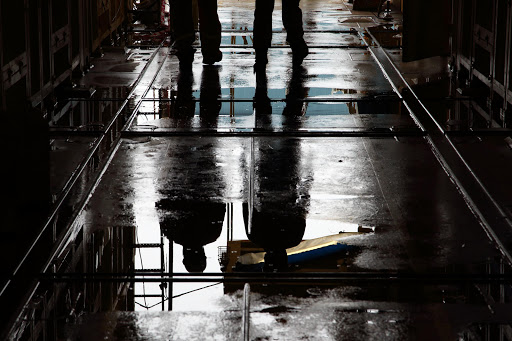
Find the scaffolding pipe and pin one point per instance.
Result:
(245, 312)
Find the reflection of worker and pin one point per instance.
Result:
(209, 99)
(275, 217)
(296, 93)
(295, 106)
(194, 222)
(275, 230)
(292, 21)
(183, 31)
(183, 108)
(192, 225)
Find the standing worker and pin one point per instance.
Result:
(182, 25)
(292, 21)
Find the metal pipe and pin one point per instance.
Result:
(339, 99)
(385, 132)
(280, 274)
(162, 267)
(171, 267)
(246, 312)
(379, 132)
(312, 46)
(293, 278)
(251, 187)
(139, 103)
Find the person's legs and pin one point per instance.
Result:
(209, 31)
(262, 30)
(292, 21)
(183, 30)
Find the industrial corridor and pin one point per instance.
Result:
(362, 195)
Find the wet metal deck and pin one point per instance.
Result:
(335, 144)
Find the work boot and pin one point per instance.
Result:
(300, 51)
(186, 57)
(210, 58)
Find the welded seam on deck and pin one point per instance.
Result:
(277, 277)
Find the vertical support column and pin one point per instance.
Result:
(162, 13)
(162, 269)
(50, 33)
(40, 52)
(472, 44)
(502, 297)
(28, 83)
(508, 65)
(488, 294)
(492, 61)
(251, 184)
(246, 312)
(229, 213)
(171, 269)
(2, 91)
(82, 26)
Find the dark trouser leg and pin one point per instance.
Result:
(209, 27)
(182, 23)
(292, 21)
(262, 30)
(263, 24)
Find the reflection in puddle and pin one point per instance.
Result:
(388, 35)
(328, 316)
(229, 247)
(84, 115)
(319, 108)
(242, 38)
(307, 251)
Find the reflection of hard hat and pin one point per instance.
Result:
(194, 259)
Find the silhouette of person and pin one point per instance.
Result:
(275, 218)
(188, 216)
(292, 21)
(183, 33)
(192, 224)
(275, 230)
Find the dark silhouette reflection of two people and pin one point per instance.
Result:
(184, 106)
(192, 213)
(295, 100)
(275, 215)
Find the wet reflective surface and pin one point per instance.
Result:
(314, 184)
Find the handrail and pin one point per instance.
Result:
(61, 241)
(472, 205)
(77, 173)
